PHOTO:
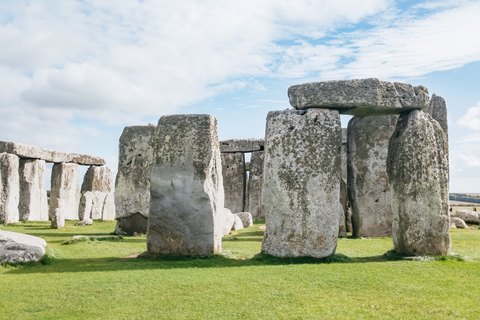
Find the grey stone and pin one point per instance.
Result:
(237, 223)
(84, 222)
(344, 153)
(85, 206)
(342, 228)
(468, 216)
(186, 187)
(99, 181)
(255, 184)
(437, 108)
(417, 167)
(242, 145)
(9, 188)
(18, 247)
(359, 97)
(368, 188)
(301, 188)
(64, 194)
(457, 223)
(134, 223)
(233, 171)
(246, 218)
(32, 152)
(108, 211)
(227, 221)
(33, 204)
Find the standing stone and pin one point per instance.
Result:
(342, 228)
(417, 168)
(85, 206)
(108, 211)
(99, 180)
(344, 153)
(64, 194)
(33, 204)
(132, 185)
(255, 183)
(233, 170)
(438, 110)
(301, 187)
(187, 198)
(368, 188)
(246, 218)
(9, 188)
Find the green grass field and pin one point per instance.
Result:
(99, 280)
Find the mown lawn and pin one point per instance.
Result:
(96, 280)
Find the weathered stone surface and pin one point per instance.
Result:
(237, 223)
(64, 194)
(344, 153)
(246, 218)
(132, 185)
(33, 204)
(342, 228)
(255, 184)
(301, 187)
(186, 187)
(233, 170)
(227, 221)
(18, 247)
(359, 97)
(457, 223)
(32, 152)
(242, 145)
(9, 188)
(108, 211)
(437, 108)
(84, 222)
(368, 188)
(417, 167)
(99, 181)
(85, 205)
(134, 223)
(468, 216)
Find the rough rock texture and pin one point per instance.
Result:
(417, 167)
(134, 223)
(242, 145)
(255, 184)
(132, 185)
(186, 187)
(344, 153)
(99, 181)
(84, 222)
(437, 108)
(108, 210)
(64, 194)
(301, 187)
(19, 247)
(9, 188)
(342, 228)
(368, 189)
(32, 152)
(468, 216)
(457, 223)
(246, 218)
(360, 97)
(85, 205)
(227, 221)
(237, 223)
(33, 204)
(233, 170)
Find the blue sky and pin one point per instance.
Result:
(73, 74)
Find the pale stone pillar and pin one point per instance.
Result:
(33, 204)
(99, 181)
(255, 182)
(233, 170)
(64, 194)
(9, 188)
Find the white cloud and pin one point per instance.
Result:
(471, 119)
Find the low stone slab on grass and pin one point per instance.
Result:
(18, 247)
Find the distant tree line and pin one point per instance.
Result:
(464, 197)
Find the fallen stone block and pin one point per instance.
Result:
(468, 216)
(18, 247)
(457, 223)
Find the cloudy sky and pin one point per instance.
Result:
(74, 73)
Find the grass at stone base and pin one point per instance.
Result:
(93, 280)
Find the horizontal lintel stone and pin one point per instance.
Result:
(242, 145)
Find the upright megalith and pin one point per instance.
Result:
(438, 110)
(99, 181)
(186, 187)
(9, 188)
(33, 204)
(255, 183)
(132, 184)
(368, 187)
(417, 167)
(301, 188)
(64, 194)
(233, 170)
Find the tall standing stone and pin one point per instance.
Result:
(255, 184)
(9, 188)
(418, 172)
(368, 187)
(64, 194)
(233, 170)
(33, 204)
(132, 185)
(344, 153)
(187, 199)
(438, 110)
(99, 181)
(301, 187)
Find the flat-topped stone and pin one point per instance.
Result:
(242, 145)
(18, 247)
(359, 97)
(31, 152)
